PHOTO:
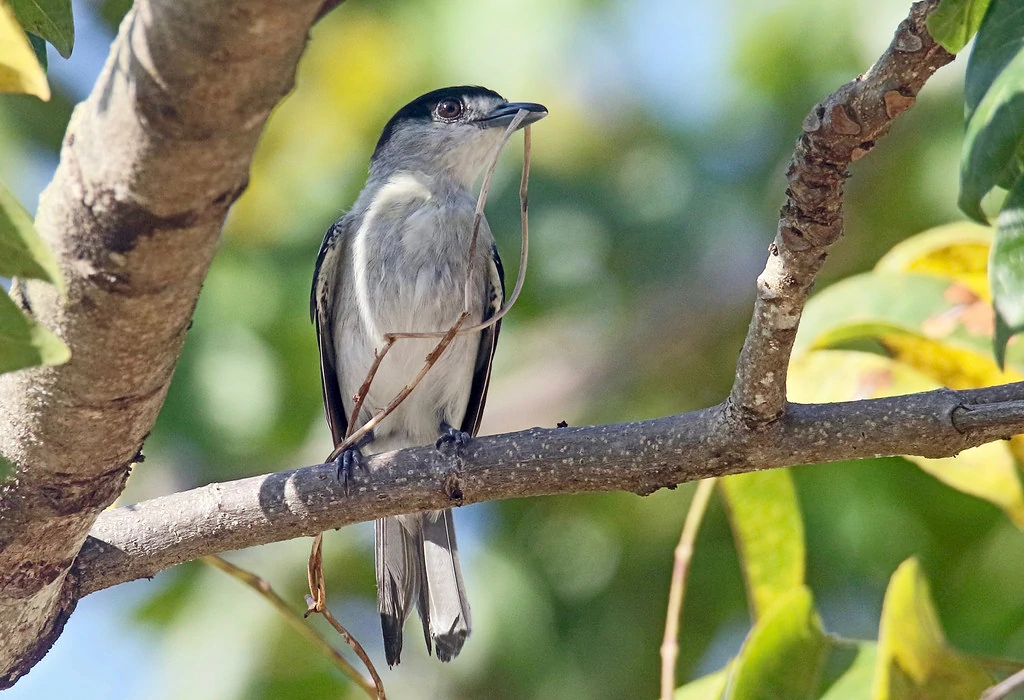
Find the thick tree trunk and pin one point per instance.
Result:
(149, 167)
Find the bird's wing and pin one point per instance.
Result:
(322, 299)
(494, 298)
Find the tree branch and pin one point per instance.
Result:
(140, 540)
(149, 167)
(837, 132)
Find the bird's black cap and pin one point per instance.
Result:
(422, 106)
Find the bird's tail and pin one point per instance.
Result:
(417, 561)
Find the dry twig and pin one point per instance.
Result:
(680, 568)
(262, 587)
(1004, 687)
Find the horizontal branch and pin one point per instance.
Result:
(138, 541)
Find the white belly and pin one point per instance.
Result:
(411, 279)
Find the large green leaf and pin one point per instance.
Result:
(22, 252)
(954, 22)
(24, 343)
(769, 532)
(956, 251)
(709, 687)
(50, 19)
(784, 654)
(1006, 271)
(855, 682)
(1000, 39)
(913, 660)
(20, 71)
(994, 95)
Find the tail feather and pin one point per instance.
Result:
(417, 562)
(399, 563)
(449, 615)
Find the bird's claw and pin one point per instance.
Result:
(452, 436)
(347, 462)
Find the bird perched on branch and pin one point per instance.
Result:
(398, 262)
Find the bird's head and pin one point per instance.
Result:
(452, 131)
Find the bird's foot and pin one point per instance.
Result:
(350, 459)
(451, 436)
(347, 462)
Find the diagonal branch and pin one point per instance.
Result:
(838, 131)
(137, 541)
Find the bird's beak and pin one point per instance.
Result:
(502, 116)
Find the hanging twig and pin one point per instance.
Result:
(429, 362)
(316, 602)
(262, 587)
(680, 568)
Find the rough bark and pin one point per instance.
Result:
(149, 167)
(139, 540)
(839, 130)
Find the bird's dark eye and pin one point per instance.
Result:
(448, 109)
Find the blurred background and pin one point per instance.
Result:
(655, 188)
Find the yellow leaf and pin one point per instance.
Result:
(913, 659)
(957, 251)
(20, 71)
(948, 365)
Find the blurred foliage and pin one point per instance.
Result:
(23, 342)
(655, 189)
(954, 22)
(913, 659)
(20, 72)
(51, 20)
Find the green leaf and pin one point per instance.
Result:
(988, 471)
(50, 19)
(769, 531)
(855, 681)
(784, 654)
(20, 72)
(39, 48)
(1000, 39)
(913, 659)
(22, 251)
(994, 96)
(937, 326)
(1006, 271)
(954, 22)
(24, 343)
(708, 687)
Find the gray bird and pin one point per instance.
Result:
(397, 261)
